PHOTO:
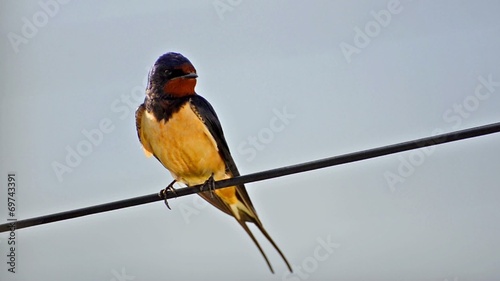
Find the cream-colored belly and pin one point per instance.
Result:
(184, 146)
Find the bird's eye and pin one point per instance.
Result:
(175, 73)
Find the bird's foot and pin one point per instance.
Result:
(209, 185)
(163, 193)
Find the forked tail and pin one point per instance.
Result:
(242, 215)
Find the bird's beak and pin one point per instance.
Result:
(190, 76)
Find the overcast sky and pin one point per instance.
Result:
(291, 82)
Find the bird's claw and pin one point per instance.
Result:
(210, 185)
(163, 193)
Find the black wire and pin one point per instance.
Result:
(274, 173)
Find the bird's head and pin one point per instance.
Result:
(172, 75)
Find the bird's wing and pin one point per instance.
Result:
(207, 114)
(138, 122)
(247, 212)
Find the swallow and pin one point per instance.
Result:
(181, 129)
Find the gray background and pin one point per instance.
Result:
(86, 64)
